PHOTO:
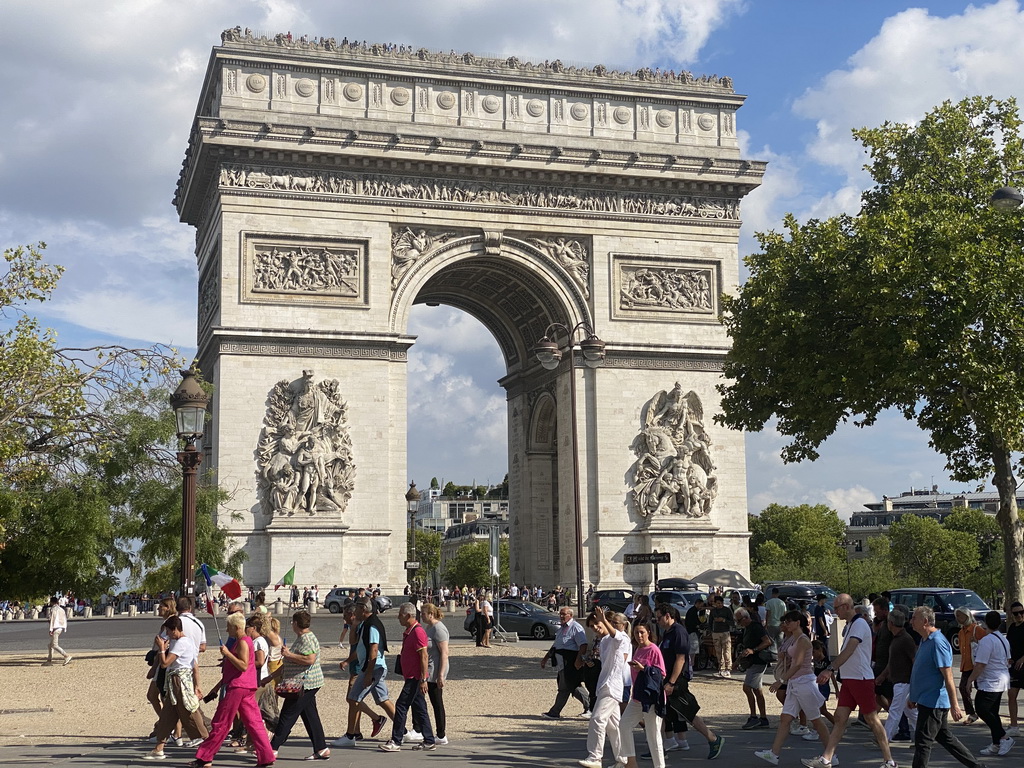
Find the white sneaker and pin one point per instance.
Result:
(585, 714)
(1013, 730)
(684, 745)
(816, 762)
(991, 749)
(441, 741)
(768, 756)
(799, 730)
(413, 737)
(588, 763)
(669, 745)
(343, 741)
(727, 673)
(810, 736)
(193, 743)
(1005, 745)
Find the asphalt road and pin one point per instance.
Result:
(123, 633)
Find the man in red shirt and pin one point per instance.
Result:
(413, 666)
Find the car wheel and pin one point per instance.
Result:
(334, 608)
(539, 632)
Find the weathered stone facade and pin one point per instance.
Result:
(333, 185)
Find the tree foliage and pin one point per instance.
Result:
(925, 554)
(471, 565)
(427, 553)
(915, 304)
(89, 484)
(795, 542)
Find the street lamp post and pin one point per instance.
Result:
(412, 501)
(549, 355)
(189, 402)
(847, 543)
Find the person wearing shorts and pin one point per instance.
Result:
(755, 643)
(795, 672)
(1015, 636)
(858, 687)
(370, 672)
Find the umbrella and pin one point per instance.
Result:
(723, 577)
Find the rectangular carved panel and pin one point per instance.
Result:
(295, 269)
(665, 288)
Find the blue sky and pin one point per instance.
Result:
(99, 98)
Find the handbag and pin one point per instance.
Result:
(292, 687)
(398, 664)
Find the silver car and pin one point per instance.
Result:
(527, 619)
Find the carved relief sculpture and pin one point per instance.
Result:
(407, 246)
(676, 289)
(571, 255)
(306, 270)
(304, 458)
(480, 193)
(673, 474)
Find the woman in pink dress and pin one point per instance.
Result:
(239, 685)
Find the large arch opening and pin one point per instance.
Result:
(512, 298)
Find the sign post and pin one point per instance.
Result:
(655, 558)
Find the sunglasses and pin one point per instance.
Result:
(1018, 613)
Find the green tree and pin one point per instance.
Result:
(434, 485)
(795, 542)
(471, 565)
(450, 490)
(428, 553)
(925, 554)
(873, 573)
(984, 531)
(913, 304)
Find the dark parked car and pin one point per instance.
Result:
(612, 599)
(801, 591)
(944, 601)
(683, 601)
(338, 598)
(681, 585)
(524, 618)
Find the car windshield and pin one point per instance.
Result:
(969, 600)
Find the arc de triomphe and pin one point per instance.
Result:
(333, 185)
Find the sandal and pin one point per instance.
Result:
(324, 754)
(199, 764)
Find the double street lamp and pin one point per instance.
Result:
(412, 502)
(189, 402)
(549, 354)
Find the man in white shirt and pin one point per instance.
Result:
(991, 674)
(58, 624)
(858, 687)
(190, 625)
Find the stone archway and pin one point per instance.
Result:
(333, 185)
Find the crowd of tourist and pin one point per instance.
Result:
(624, 671)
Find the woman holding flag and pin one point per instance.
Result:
(238, 682)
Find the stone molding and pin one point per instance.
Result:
(388, 54)
(665, 289)
(456, 193)
(238, 342)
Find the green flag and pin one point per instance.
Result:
(287, 579)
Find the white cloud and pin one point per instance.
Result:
(916, 61)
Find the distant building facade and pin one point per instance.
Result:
(880, 515)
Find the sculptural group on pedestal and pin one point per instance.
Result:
(304, 457)
(674, 473)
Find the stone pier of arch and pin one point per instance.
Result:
(334, 185)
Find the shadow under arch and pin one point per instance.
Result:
(514, 288)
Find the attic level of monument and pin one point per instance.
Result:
(379, 57)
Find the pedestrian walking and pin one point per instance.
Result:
(970, 635)
(368, 659)
(933, 694)
(991, 675)
(754, 657)
(795, 672)
(1015, 635)
(615, 651)
(414, 666)
(178, 655)
(566, 656)
(897, 672)
(302, 672)
(238, 684)
(58, 625)
(646, 701)
(437, 677)
(858, 686)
